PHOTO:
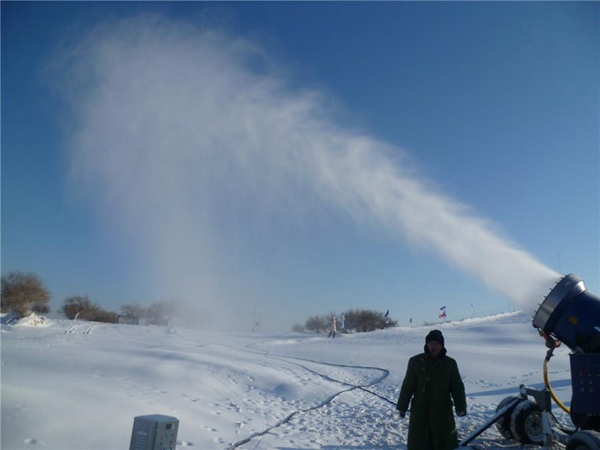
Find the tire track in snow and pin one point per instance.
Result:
(351, 387)
(74, 328)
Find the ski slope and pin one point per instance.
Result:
(78, 385)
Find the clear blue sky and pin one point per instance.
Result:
(494, 105)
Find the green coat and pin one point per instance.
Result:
(432, 384)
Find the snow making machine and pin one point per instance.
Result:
(569, 315)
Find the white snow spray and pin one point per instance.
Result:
(183, 131)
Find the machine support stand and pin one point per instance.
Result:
(489, 423)
(544, 400)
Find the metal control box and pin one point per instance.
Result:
(154, 432)
(585, 378)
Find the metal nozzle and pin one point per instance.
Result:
(572, 314)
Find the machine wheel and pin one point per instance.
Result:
(526, 423)
(584, 440)
(503, 424)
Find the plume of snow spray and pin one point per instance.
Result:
(176, 122)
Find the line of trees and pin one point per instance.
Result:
(25, 293)
(355, 321)
(81, 307)
(158, 313)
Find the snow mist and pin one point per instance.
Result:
(182, 132)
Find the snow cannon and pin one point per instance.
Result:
(571, 314)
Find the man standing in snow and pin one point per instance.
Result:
(432, 381)
(333, 327)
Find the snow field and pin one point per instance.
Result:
(79, 385)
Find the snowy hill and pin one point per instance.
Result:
(79, 385)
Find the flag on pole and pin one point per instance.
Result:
(442, 314)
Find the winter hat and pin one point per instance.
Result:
(435, 335)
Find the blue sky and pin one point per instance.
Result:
(490, 105)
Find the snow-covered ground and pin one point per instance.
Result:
(79, 385)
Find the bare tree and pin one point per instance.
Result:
(101, 315)
(81, 307)
(78, 306)
(24, 293)
(317, 323)
(134, 310)
(161, 312)
(364, 320)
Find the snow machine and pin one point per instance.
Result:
(569, 315)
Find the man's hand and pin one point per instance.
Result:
(402, 414)
(461, 413)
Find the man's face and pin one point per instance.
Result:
(434, 348)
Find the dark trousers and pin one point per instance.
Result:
(429, 445)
